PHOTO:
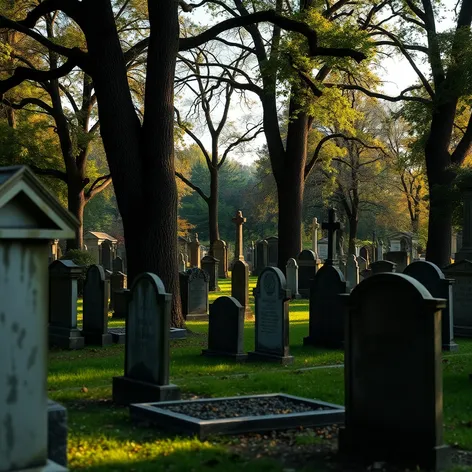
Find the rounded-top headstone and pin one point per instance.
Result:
(292, 264)
(307, 255)
(424, 269)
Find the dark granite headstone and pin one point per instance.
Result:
(431, 276)
(364, 253)
(393, 374)
(118, 281)
(210, 266)
(461, 272)
(194, 293)
(63, 331)
(220, 251)
(272, 317)
(326, 323)
(400, 258)
(306, 271)
(146, 377)
(261, 256)
(95, 324)
(118, 264)
(240, 285)
(226, 329)
(120, 304)
(272, 251)
(107, 254)
(57, 433)
(379, 267)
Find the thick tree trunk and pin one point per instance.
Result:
(76, 205)
(213, 208)
(291, 186)
(141, 161)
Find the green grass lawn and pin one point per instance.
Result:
(101, 436)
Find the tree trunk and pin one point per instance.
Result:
(213, 209)
(141, 161)
(76, 205)
(291, 186)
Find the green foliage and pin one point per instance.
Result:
(79, 257)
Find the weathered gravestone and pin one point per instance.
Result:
(307, 266)
(240, 285)
(63, 331)
(194, 293)
(95, 324)
(181, 262)
(314, 236)
(364, 253)
(399, 408)
(220, 252)
(332, 226)
(272, 318)
(118, 264)
(146, 377)
(461, 272)
(195, 251)
(210, 266)
(292, 278)
(57, 433)
(29, 218)
(326, 323)
(107, 254)
(118, 281)
(379, 267)
(272, 251)
(120, 303)
(400, 258)
(226, 329)
(261, 256)
(352, 272)
(431, 276)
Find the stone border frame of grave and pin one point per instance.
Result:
(184, 424)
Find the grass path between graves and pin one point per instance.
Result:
(102, 438)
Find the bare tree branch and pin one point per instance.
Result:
(464, 145)
(57, 174)
(100, 184)
(71, 8)
(29, 101)
(192, 186)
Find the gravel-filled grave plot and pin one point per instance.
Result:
(236, 415)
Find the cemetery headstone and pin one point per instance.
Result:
(30, 216)
(57, 433)
(404, 424)
(120, 303)
(195, 251)
(292, 278)
(326, 322)
(118, 281)
(239, 220)
(307, 267)
(63, 292)
(107, 254)
(379, 267)
(465, 251)
(461, 272)
(431, 276)
(272, 318)
(272, 251)
(364, 253)
(220, 252)
(314, 236)
(352, 272)
(240, 285)
(400, 258)
(362, 263)
(226, 329)
(380, 251)
(210, 266)
(146, 376)
(95, 324)
(181, 262)
(194, 293)
(262, 248)
(331, 226)
(118, 265)
(323, 249)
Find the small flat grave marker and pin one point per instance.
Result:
(238, 415)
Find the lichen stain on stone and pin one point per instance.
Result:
(35, 297)
(15, 327)
(12, 382)
(21, 337)
(2, 318)
(22, 266)
(32, 267)
(6, 255)
(32, 357)
(9, 435)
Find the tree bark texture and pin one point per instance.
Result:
(213, 207)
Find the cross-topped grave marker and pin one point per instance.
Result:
(239, 220)
(331, 226)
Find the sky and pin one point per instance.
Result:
(396, 73)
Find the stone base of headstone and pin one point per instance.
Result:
(450, 347)
(97, 339)
(197, 317)
(49, 467)
(177, 333)
(66, 338)
(407, 455)
(127, 391)
(230, 355)
(57, 433)
(263, 357)
(118, 335)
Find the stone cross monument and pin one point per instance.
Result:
(332, 226)
(239, 220)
